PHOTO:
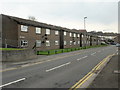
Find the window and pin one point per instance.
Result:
(38, 43)
(74, 34)
(65, 43)
(82, 36)
(78, 42)
(70, 42)
(56, 43)
(24, 43)
(78, 35)
(38, 30)
(75, 43)
(56, 32)
(24, 28)
(47, 31)
(82, 42)
(70, 34)
(47, 43)
(65, 33)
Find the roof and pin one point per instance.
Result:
(40, 24)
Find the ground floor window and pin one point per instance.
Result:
(65, 43)
(38, 43)
(24, 43)
(70, 42)
(56, 43)
(75, 43)
(78, 42)
(47, 43)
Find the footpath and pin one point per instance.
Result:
(109, 76)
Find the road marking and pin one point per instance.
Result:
(82, 58)
(23, 66)
(12, 82)
(86, 77)
(58, 67)
(8, 69)
(93, 53)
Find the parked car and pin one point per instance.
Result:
(117, 45)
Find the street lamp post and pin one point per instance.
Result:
(84, 23)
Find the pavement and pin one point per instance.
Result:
(108, 77)
(55, 71)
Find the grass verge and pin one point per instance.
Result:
(57, 51)
(10, 49)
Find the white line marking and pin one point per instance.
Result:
(93, 53)
(58, 67)
(12, 82)
(82, 58)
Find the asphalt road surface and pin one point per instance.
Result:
(63, 72)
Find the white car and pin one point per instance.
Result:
(117, 45)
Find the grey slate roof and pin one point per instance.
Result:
(39, 24)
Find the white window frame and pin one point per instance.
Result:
(48, 31)
(56, 32)
(56, 42)
(65, 42)
(65, 33)
(75, 43)
(38, 43)
(47, 43)
(74, 34)
(82, 35)
(71, 42)
(38, 30)
(24, 28)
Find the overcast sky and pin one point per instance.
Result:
(102, 15)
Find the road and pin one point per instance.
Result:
(62, 72)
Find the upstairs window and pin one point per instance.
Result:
(74, 34)
(82, 36)
(65, 33)
(24, 28)
(70, 34)
(47, 31)
(38, 30)
(78, 35)
(56, 32)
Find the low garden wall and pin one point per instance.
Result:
(17, 55)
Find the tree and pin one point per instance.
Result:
(32, 18)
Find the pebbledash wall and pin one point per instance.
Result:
(23, 33)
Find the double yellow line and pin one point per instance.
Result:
(86, 77)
